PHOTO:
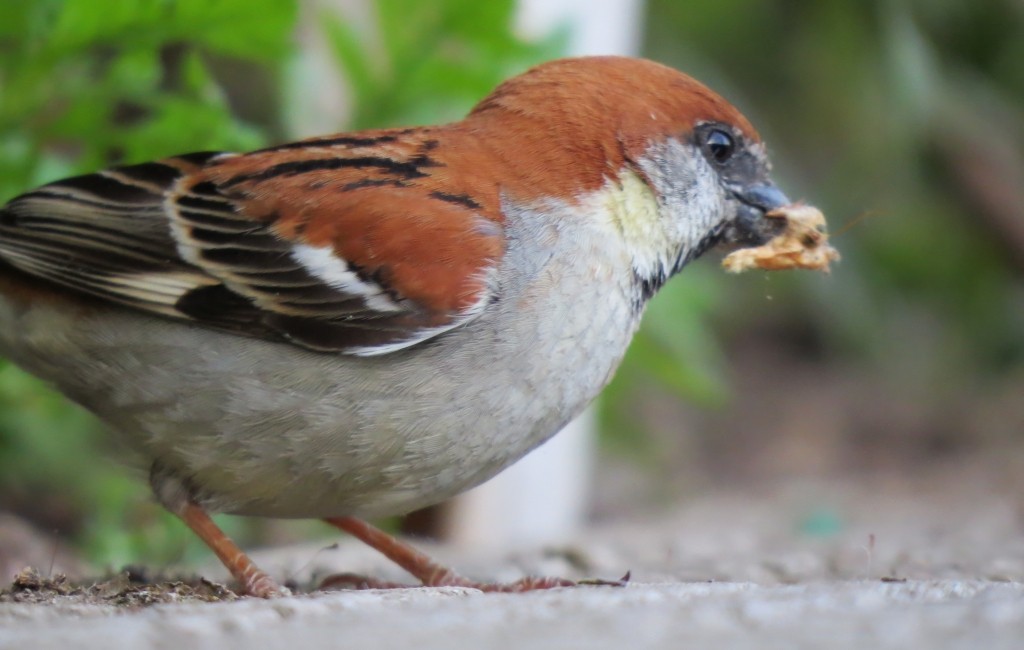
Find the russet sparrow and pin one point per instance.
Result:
(363, 324)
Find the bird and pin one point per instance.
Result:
(362, 324)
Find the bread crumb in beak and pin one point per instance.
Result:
(803, 244)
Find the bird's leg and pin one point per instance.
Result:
(423, 568)
(420, 565)
(253, 581)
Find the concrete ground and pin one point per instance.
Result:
(867, 566)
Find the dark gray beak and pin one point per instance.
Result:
(750, 228)
(764, 196)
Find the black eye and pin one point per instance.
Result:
(720, 146)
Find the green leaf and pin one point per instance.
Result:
(260, 31)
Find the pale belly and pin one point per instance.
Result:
(269, 429)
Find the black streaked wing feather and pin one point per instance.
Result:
(129, 236)
(105, 234)
(252, 261)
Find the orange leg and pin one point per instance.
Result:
(253, 581)
(423, 568)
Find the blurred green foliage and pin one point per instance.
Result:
(85, 82)
(430, 62)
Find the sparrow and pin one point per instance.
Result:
(363, 324)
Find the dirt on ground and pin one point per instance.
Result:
(130, 589)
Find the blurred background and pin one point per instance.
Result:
(902, 119)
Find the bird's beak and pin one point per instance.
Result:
(750, 227)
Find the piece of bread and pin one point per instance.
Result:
(803, 244)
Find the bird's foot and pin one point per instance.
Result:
(429, 572)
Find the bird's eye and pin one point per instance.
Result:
(720, 146)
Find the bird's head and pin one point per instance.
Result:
(666, 162)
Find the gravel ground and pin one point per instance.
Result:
(834, 566)
(860, 614)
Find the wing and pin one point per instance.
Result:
(317, 243)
